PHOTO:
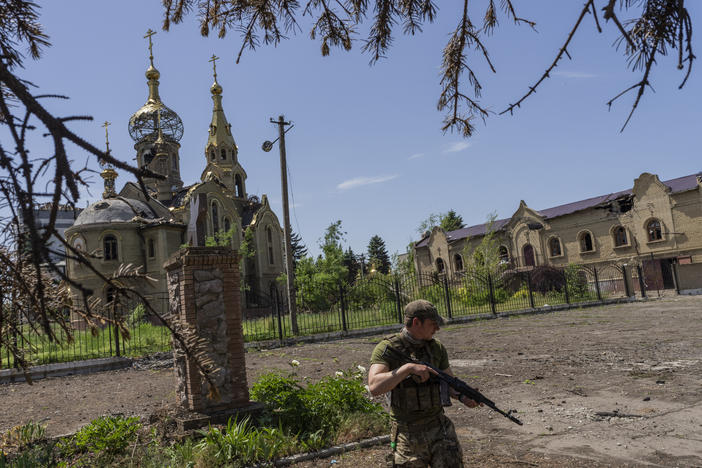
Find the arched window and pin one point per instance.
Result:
(554, 247)
(109, 295)
(504, 254)
(227, 225)
(212, 155)
(223, 154)
(109, 247)
(529, 258)
(440, 267)
(619, 234)
(269, 238)
(238, 186)
(653, 228)
(151, 248)
(458, 262)
(586, 244)
(215, 219)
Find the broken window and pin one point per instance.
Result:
(620, 237)
(554, 247)
(654, 230)
(586, 244)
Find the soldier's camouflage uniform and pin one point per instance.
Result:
(421, 434)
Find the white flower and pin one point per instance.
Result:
(294, 363)
(339, 373)
(361, 369)
(367, 388)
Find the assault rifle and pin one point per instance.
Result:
(454, 382)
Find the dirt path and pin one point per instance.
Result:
(618, 385)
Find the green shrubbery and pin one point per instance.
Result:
(297, 418)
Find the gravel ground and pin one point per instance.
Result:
(609, 386)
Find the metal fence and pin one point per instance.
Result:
(377, 300)
(328, 306)
(143, 334)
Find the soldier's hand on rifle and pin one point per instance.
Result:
(420, 373)
(468, 402)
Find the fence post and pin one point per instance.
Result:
(343, 306)
(565, 287)
(642, 285)
(676, 280)
(597, 284)
(492, 295)
(448, 297)
(626, 283)
(398, 301)
(117, 351)
(531, 294)
(278, 307)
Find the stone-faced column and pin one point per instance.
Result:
(203, 290)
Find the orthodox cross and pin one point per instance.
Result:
(214, 65)
(107, 136)
(150, 33)
(107, 145)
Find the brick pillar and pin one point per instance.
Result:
(203, 290)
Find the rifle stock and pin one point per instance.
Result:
(454, 382)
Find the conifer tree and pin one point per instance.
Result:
(352, 264)
(299, 250)
(378, 254)
(451, 221)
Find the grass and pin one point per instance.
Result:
(148, 339)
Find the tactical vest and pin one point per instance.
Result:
(410, 399)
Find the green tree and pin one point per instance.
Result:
(451, 221)
(378, 254)
(318, 280)
(485, 258)
(352, 264)
(299, 250)
(657, 28)
(404, 265)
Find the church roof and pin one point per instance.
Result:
(114, 210)
(680, 184)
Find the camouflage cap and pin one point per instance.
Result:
(423, 310)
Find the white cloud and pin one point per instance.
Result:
(358, 181)
(457, 146)
(571, 74)
(416, 155)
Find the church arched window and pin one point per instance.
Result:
(215, 219)
(239, 186)
(109, 247)
(227, 225)
(440, 267)
(212, 155)
(223, 154)
(269, 238)
(458, 262)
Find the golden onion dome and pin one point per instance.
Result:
(216, 89)
(152, 73)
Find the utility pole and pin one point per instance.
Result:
(267, 145)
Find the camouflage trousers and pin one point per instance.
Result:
(433, 444)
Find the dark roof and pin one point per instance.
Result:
(681, 184)
(114, 210)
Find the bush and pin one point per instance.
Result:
(314, 413)
(104, 435)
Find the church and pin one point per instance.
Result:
(132, 228)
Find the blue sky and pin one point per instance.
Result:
(367, 146)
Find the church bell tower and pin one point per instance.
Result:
(156, 131)
(221, 152)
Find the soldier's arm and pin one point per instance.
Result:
(381, 379)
